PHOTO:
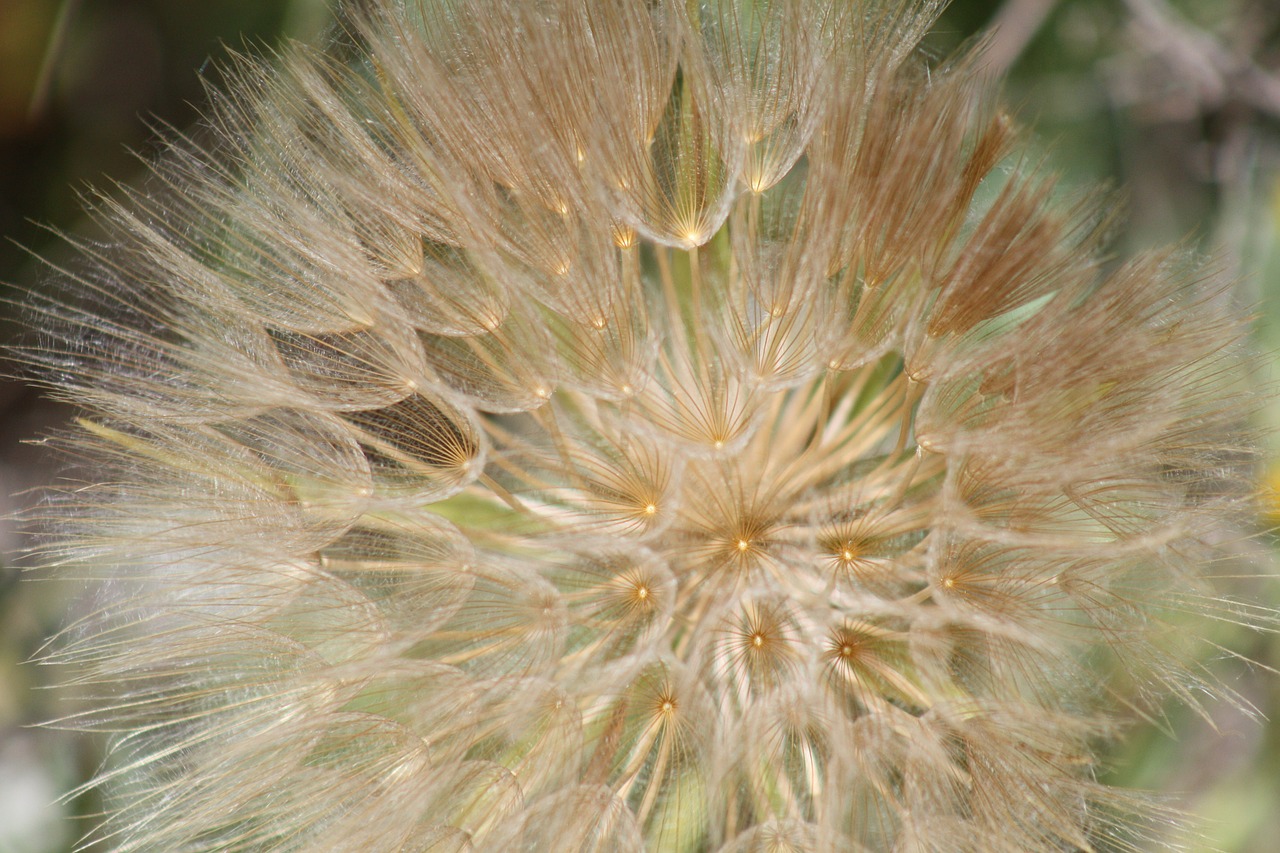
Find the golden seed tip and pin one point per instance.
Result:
(624, 237)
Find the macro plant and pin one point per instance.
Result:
(619, 425)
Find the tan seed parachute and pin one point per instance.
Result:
(629, 425)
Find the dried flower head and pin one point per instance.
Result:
(618, 425)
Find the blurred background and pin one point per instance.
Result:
(1175, 101)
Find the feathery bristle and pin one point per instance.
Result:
(606, 426)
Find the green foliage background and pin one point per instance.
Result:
(1175, 101)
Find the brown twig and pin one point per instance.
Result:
(1012, 29)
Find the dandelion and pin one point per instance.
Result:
(629, 425)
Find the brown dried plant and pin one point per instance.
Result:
(619, 425)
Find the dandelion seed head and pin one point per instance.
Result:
(628, 426)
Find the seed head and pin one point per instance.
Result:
(621, 425)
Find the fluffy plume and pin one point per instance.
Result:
(629, 425)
